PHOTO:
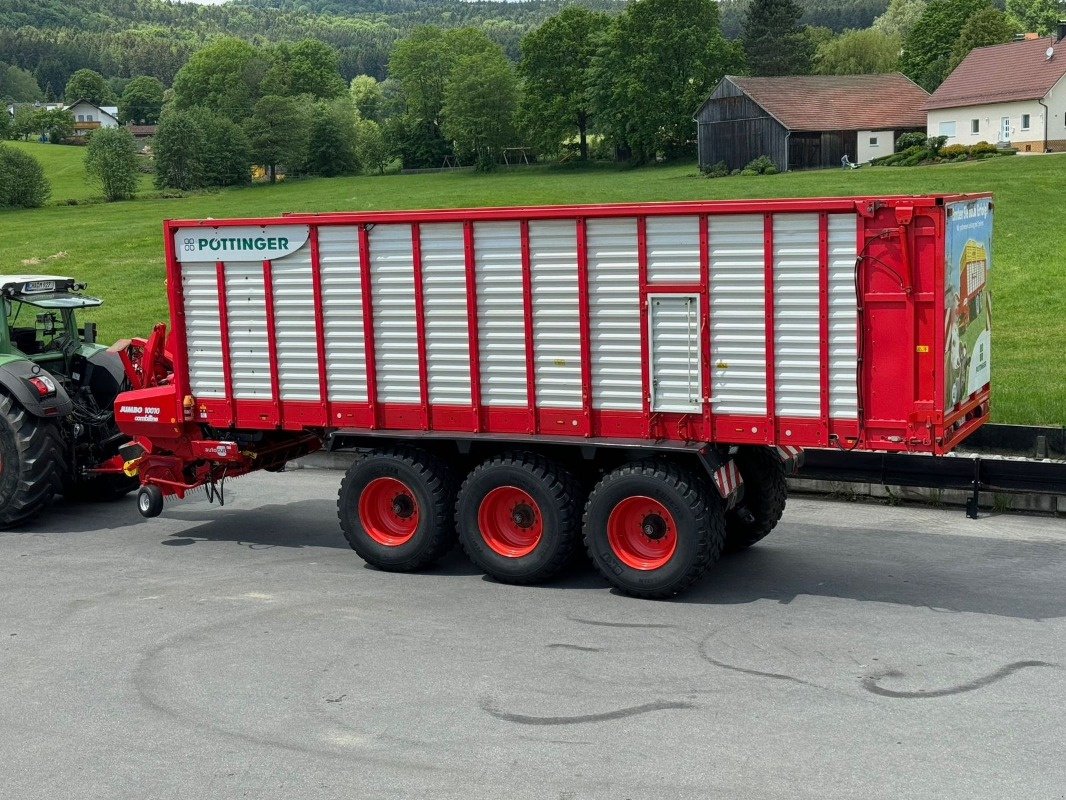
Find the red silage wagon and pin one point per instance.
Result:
(643, 375)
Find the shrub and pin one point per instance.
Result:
(954, 150)
(22, 180)
(934, 143)
(771, 170)
(748, 172)
(719, 170)
(909, 140)
(735, 172)
(111, 162)
(982, 147)
(961, 157)
(760, 165)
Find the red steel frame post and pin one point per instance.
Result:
(705, 325)
(645, 348)
(176, 300)
(223, 327)
(368, 325)
(768, 294)
(471, 322)
(585, 322)
(272, 339)
(320, 324)
(823, 321)
(420, 323)
(527, 306)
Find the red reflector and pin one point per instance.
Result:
(44, 385)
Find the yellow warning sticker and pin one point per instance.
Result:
(923, 348)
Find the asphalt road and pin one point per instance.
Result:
(862, 651)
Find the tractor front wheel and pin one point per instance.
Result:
(32, 463)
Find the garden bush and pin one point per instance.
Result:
(982, 147)
(759, 165)
(909, 140)
(719, 170)
(953, 150)
(22, 180)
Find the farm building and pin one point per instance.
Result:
(1011, 94)
(807, 121)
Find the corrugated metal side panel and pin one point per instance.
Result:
(674, 320)
(843, 317)
(673, 249)
(738, 314)
(248, 348)
(796, 324)
(342, 313)
(444, 304)
(294, 326)
(614, 314)
(392, 283)
(556, 317)
(203, 332)
(501, 321)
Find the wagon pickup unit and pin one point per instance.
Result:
(641, 377)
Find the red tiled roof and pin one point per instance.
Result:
(143, 130)
(838, 102)
(1000, 74)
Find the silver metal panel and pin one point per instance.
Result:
(843, 316)
(444, 304)
(392, 286)
(556, 313)
(674, 323)
(673, 249)
(797, 352)
(614, 314)
(203, 332)
(500, 314)
(296, 335)
(738, 314)
(249, 354)
(342, 313)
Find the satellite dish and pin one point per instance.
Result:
(1049, 53)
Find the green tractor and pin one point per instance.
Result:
(57, 389)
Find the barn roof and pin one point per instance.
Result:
(1001, 74)
(838, 102)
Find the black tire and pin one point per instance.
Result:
(694, 509)
(32, 463)
(424, 498)
(765, 493)
(150, 501)
(550, 525)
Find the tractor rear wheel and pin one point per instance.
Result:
(519, 517)
(32, 463)
(765, 492)
(395, 507)
(652, 528)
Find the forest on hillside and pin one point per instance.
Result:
(52, 39)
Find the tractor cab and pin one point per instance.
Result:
(39, 311)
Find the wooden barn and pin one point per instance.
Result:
(807, 121)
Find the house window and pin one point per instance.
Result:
(81, 118)
(975, 126)
(1025, 122)
(873, 141)
(947, 128)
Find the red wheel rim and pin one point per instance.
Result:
(510, 522)
(388, 511)
(642, 533)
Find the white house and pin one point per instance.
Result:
(88, 117)
(1010, 94)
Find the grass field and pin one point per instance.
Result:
(118, 247)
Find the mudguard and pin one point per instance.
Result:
(14, 379)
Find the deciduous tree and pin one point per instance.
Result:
(22, 180)
(178, 148)
(278, 132)
(555, 71)
(1035, 16)
(18, 85)
(858, 53)
(900, 18)
(370, 148)
(142, 101)
(367, 96)
(927, 50)
(224, 76)
(479, 106)
(111, 163)
(85, 84)
(332, 140)
(987, 27)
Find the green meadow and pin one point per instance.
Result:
(118, 249)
